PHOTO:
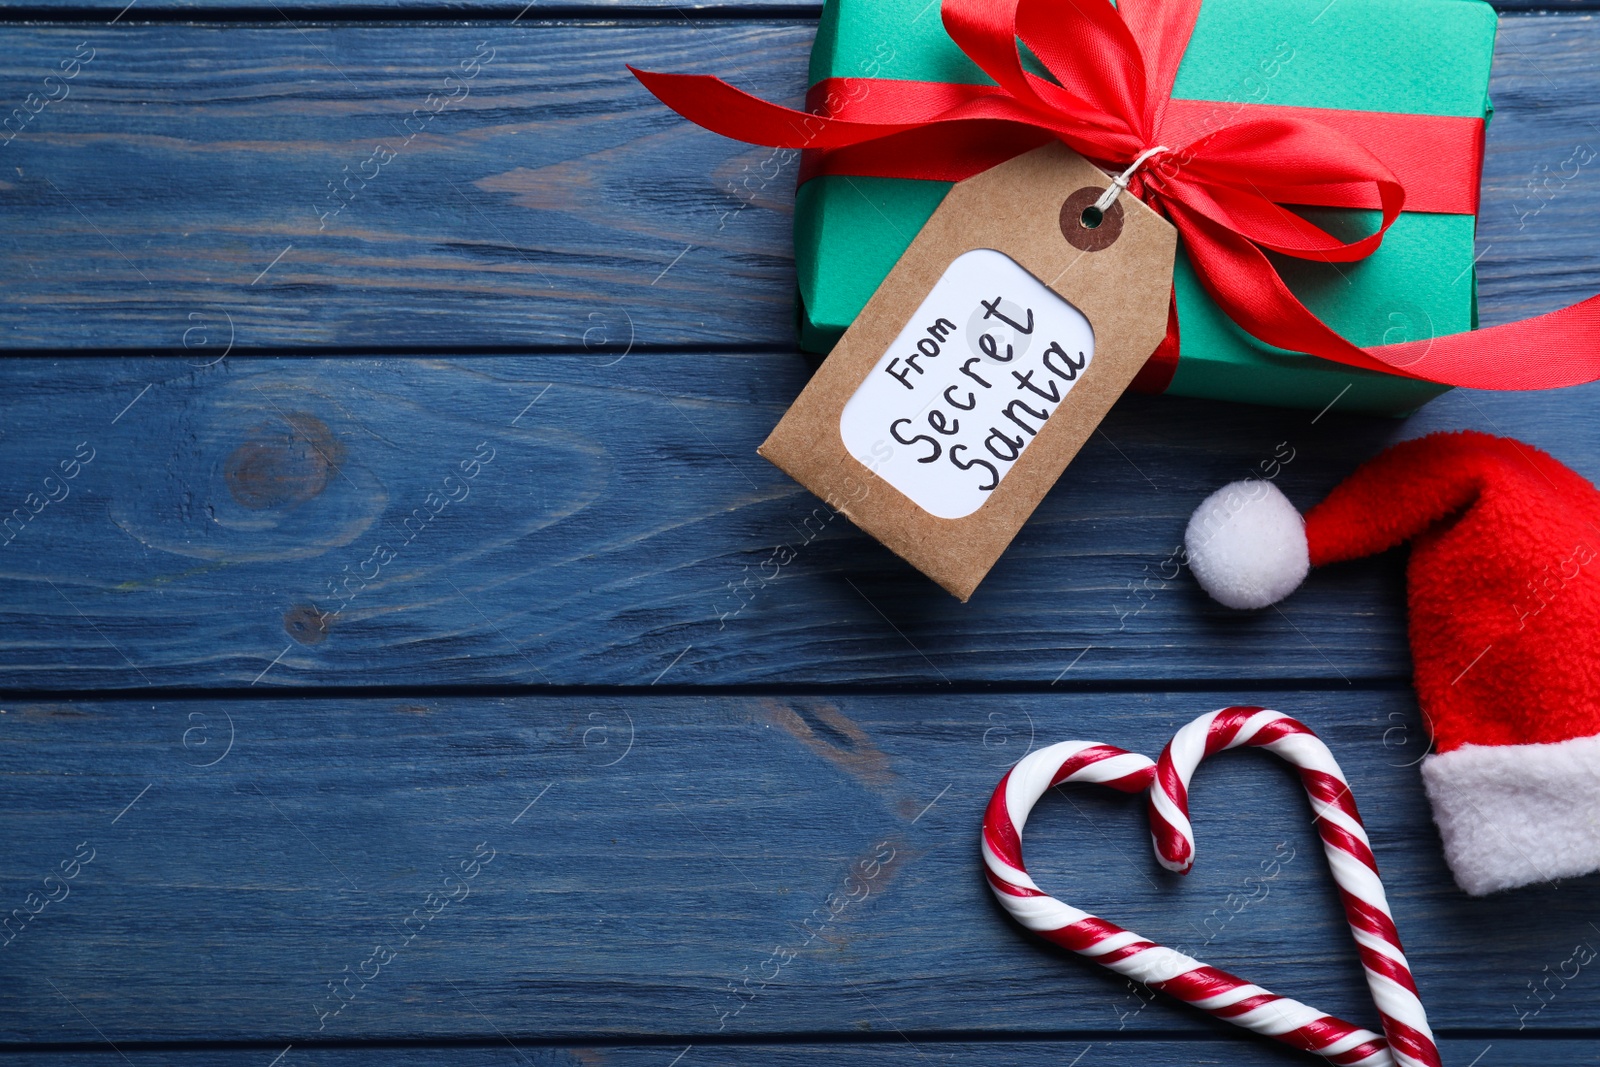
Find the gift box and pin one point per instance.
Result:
(1405, 57)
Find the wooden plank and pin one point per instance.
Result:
(554, 203)
(91, 11)
(1540, 187)
(490, 9)
(1503, 1050)
(621, 531)
(648, 853)
(543, 207)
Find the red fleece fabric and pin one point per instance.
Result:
(1503, 581)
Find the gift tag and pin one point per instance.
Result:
(983, 362)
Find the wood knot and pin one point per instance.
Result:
(306, 624)
(285, 465)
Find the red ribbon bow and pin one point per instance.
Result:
(1222, 187)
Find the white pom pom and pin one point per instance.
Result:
(1247, 545)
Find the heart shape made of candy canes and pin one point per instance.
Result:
(1406, 1040)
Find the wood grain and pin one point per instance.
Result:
(1097, 1050)
(554, 205)
(543, 208)
(556, 323)
(227, 532)
(649, 851)
(489, 9)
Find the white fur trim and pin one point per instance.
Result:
(1247, 545)
(1512, 815)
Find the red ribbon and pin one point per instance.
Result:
(1221, 182)
(1437, 158)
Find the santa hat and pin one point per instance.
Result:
(1504, 592)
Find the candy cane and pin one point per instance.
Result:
(1409, 1041)
(1344, 840)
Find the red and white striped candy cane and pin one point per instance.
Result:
(1344, 840)
(1409, 1041)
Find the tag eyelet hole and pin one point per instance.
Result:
(1087, 227)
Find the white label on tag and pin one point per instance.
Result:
(967, 385)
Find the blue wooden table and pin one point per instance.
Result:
(394, 664)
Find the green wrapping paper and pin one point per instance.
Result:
(1424, 57)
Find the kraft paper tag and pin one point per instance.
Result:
(983, 362)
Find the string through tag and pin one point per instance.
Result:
(1120, 182)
